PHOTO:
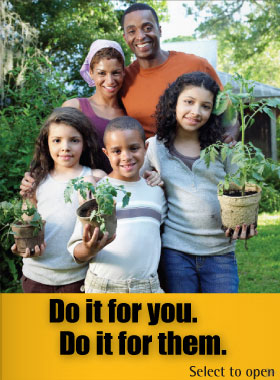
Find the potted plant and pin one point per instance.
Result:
(240, 192)
(24, 222)
(100, 211)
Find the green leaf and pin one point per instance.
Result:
(224, 152)
(125, 200)
(269, 112)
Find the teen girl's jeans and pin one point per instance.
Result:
(183, 273)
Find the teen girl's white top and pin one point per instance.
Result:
(135, 252)
(56, 266)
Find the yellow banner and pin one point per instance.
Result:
(140, 337)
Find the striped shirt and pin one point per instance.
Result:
(135, 252)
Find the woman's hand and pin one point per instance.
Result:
(153, 178)
(26, 184)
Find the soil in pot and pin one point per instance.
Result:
(84, 212)
(25, 238)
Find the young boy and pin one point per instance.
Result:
(129, 263)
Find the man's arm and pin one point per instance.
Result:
(231, 133)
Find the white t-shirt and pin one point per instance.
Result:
(56, 266)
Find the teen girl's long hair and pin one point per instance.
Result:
(166, 122)
(42, 162)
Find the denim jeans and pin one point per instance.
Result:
(96, 284)
(183, 273)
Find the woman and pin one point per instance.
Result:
(103, 68)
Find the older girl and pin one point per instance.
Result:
(197, 256)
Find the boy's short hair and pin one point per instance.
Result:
(123, 123)
(139, 7)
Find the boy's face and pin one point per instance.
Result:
(125, 150)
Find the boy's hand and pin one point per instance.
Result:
(90, 245)
(241, 232)
(36, 252)
(26, 184)
(153, 178)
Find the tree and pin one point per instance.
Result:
(180, 39)
(68, 27)
(248, 34)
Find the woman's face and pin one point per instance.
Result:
(108, 75)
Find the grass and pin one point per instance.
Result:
(259, 266)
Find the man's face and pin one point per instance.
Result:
(142, 34)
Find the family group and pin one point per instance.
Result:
(144, 127)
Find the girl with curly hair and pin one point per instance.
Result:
(197, 256)
(66, 148)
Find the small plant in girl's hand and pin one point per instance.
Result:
(103, 193)
(17, 215)
(13, 212)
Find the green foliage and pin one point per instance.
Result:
(10, 264)
(270, 201)
(104, 193)
(248, 35)
(180, 38)
(15, 212)
(249, 160)
(22, 116)
(259, 266)
(25, 108)
(67, 29)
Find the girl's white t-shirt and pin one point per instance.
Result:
(56, 266)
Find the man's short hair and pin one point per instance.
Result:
(139, 7)
(124, 123)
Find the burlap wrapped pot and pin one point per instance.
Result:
(240, 210)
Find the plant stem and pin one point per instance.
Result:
(244, 174)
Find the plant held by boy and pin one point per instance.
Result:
(249, 160)
(103, 194)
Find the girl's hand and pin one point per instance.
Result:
(153, 178)
(26, 184)
(242, 233)
(36, 252)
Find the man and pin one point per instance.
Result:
(154, 69)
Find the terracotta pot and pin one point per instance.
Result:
(110, 220)
(24, 236)
(238, 210)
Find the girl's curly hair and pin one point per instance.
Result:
(165, 114)
(42, 163)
